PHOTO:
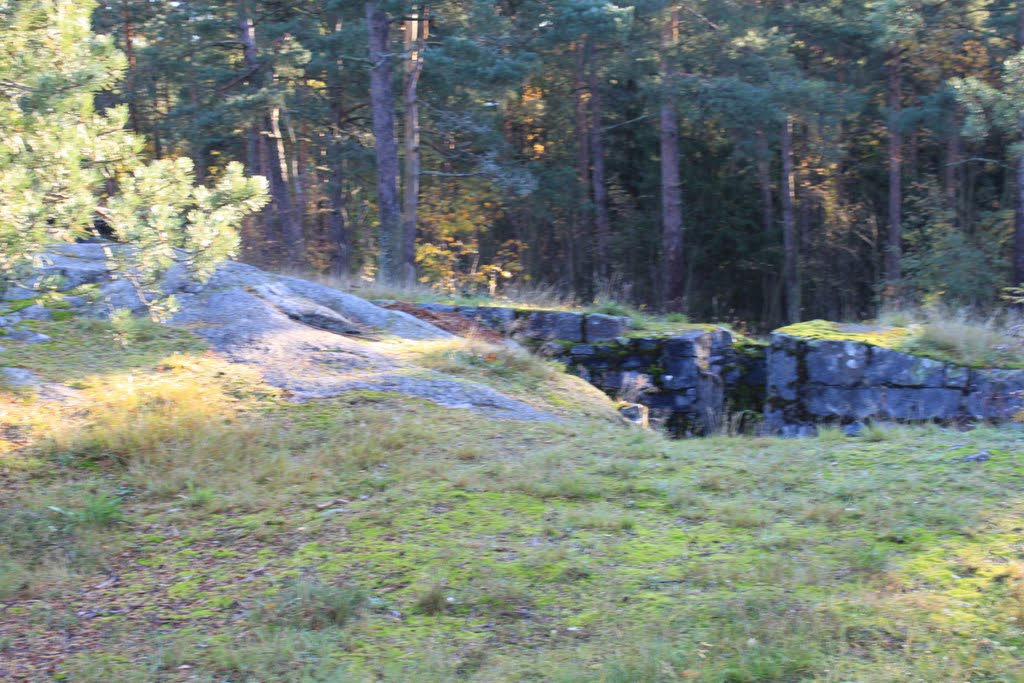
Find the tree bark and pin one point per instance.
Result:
(579, 223)
(382, 106)
(602, 221)
(280, 192)
(337, 230)
(769, 282)
(764, 183)
(1018, 227)
(416, 27)
(673, 254)
(265, 140)
(893, 266)
(790, 248)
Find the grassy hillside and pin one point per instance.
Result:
(178, 520)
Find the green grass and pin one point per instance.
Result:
(204, 529)
(949, 336)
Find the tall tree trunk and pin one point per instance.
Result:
(263, 140)
(1018, 228)
(578, 225)
(893, 267)
(602, 221)
(280, 192)
(382, 105)
(764, 182)
(337, 230)
(769, 289)
(129, 75)
(673, 254)
(416, 27)
(790, 248)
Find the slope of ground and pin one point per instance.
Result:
(308, 339)
(176, 518)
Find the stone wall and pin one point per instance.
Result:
(690, 382)
(847, 382)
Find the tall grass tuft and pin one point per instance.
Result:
(961, 336)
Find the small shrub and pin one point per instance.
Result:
(877, 432)
(309, 604)
(200, 497)
(432, 601)
(14, 577)
(129, 329)
(99, 510)
(613, 308)
(831, 434)
(870, 560)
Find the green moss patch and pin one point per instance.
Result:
(886, 337)
(952, 341)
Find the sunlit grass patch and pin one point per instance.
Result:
(513, 371)
(86, 347)
(447, 545)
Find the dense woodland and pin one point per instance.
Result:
(744, 160)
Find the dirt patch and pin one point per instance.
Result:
(450, 322)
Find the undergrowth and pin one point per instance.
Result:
(178, 520)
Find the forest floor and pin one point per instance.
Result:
(173, 518)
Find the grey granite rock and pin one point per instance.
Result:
(552, 325)
(836, 363)
(598, 327)
(893, 368)
(922, 403)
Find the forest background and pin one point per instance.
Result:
(753, 161)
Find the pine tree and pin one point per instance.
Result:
(60, 157)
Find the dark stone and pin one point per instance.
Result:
(786, 343)
(980, 456)
(555, 325)
(583, 350)
(27, 336)
(551, 349)
(497, 318)
(659, 401)
(609, 380)
(35, 312)
(853, 429)
(119, 294)
(636, 413)
(599, 327)
(19, 293)
(688, 345)
(594, 362)
(922, 403)
(73, 269)
(680, 373)
(782, 371)
(995, 394)
(685, 402)
(635, 363)
(957, 377)
(842, 403)
(647, 344)
(893, 368)
(836, 363)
